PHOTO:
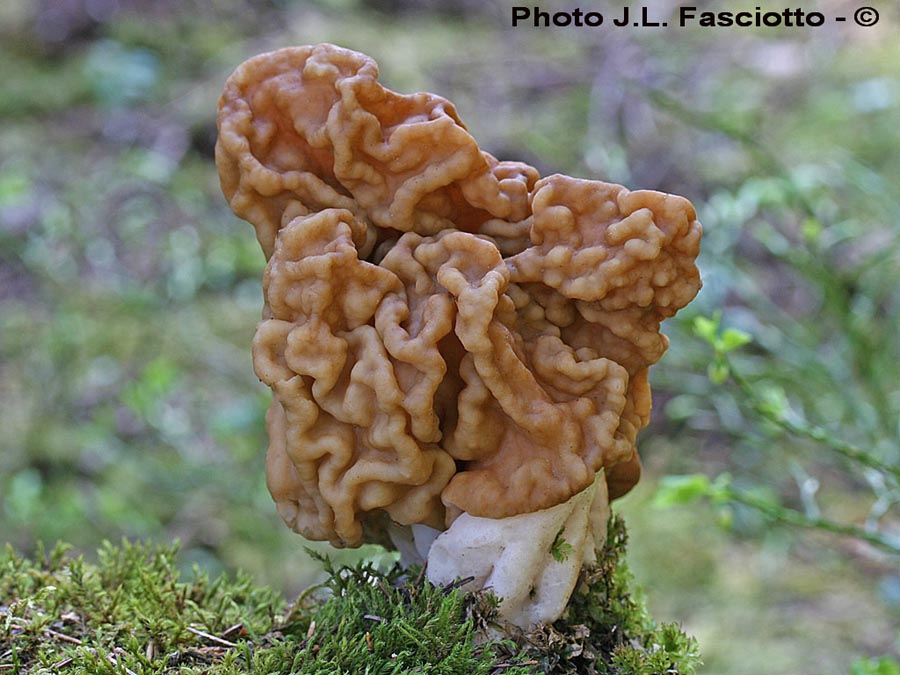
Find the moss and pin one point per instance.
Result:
(560, 549)
(132, 612)
(606, 628)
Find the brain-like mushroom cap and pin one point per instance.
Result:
(443, 332)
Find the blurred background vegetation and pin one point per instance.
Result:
(129, 293)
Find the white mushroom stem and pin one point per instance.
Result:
(412, 542)
(530, 561)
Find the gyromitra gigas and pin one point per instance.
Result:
(458, 348)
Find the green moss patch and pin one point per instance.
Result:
(132, 612)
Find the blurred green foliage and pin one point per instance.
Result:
(885, 665)
(129, 293)
(771, 404)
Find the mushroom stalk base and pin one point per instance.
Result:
(530, 561)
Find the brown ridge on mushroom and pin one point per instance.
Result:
(443, 332)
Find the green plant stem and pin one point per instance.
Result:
(787, 516)
(847, 450)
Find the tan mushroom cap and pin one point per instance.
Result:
(443, 332)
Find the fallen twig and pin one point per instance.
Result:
(63, 636)
(212, 638)
(236, 628)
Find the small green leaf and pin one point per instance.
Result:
(681, 489)
(718, 371)
(734, 338)
(773, 402)
(560, 549)
(707, 327)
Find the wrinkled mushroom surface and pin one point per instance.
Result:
(444, 333)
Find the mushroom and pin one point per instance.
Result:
(458, 348)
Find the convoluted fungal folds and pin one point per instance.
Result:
(444, 333)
